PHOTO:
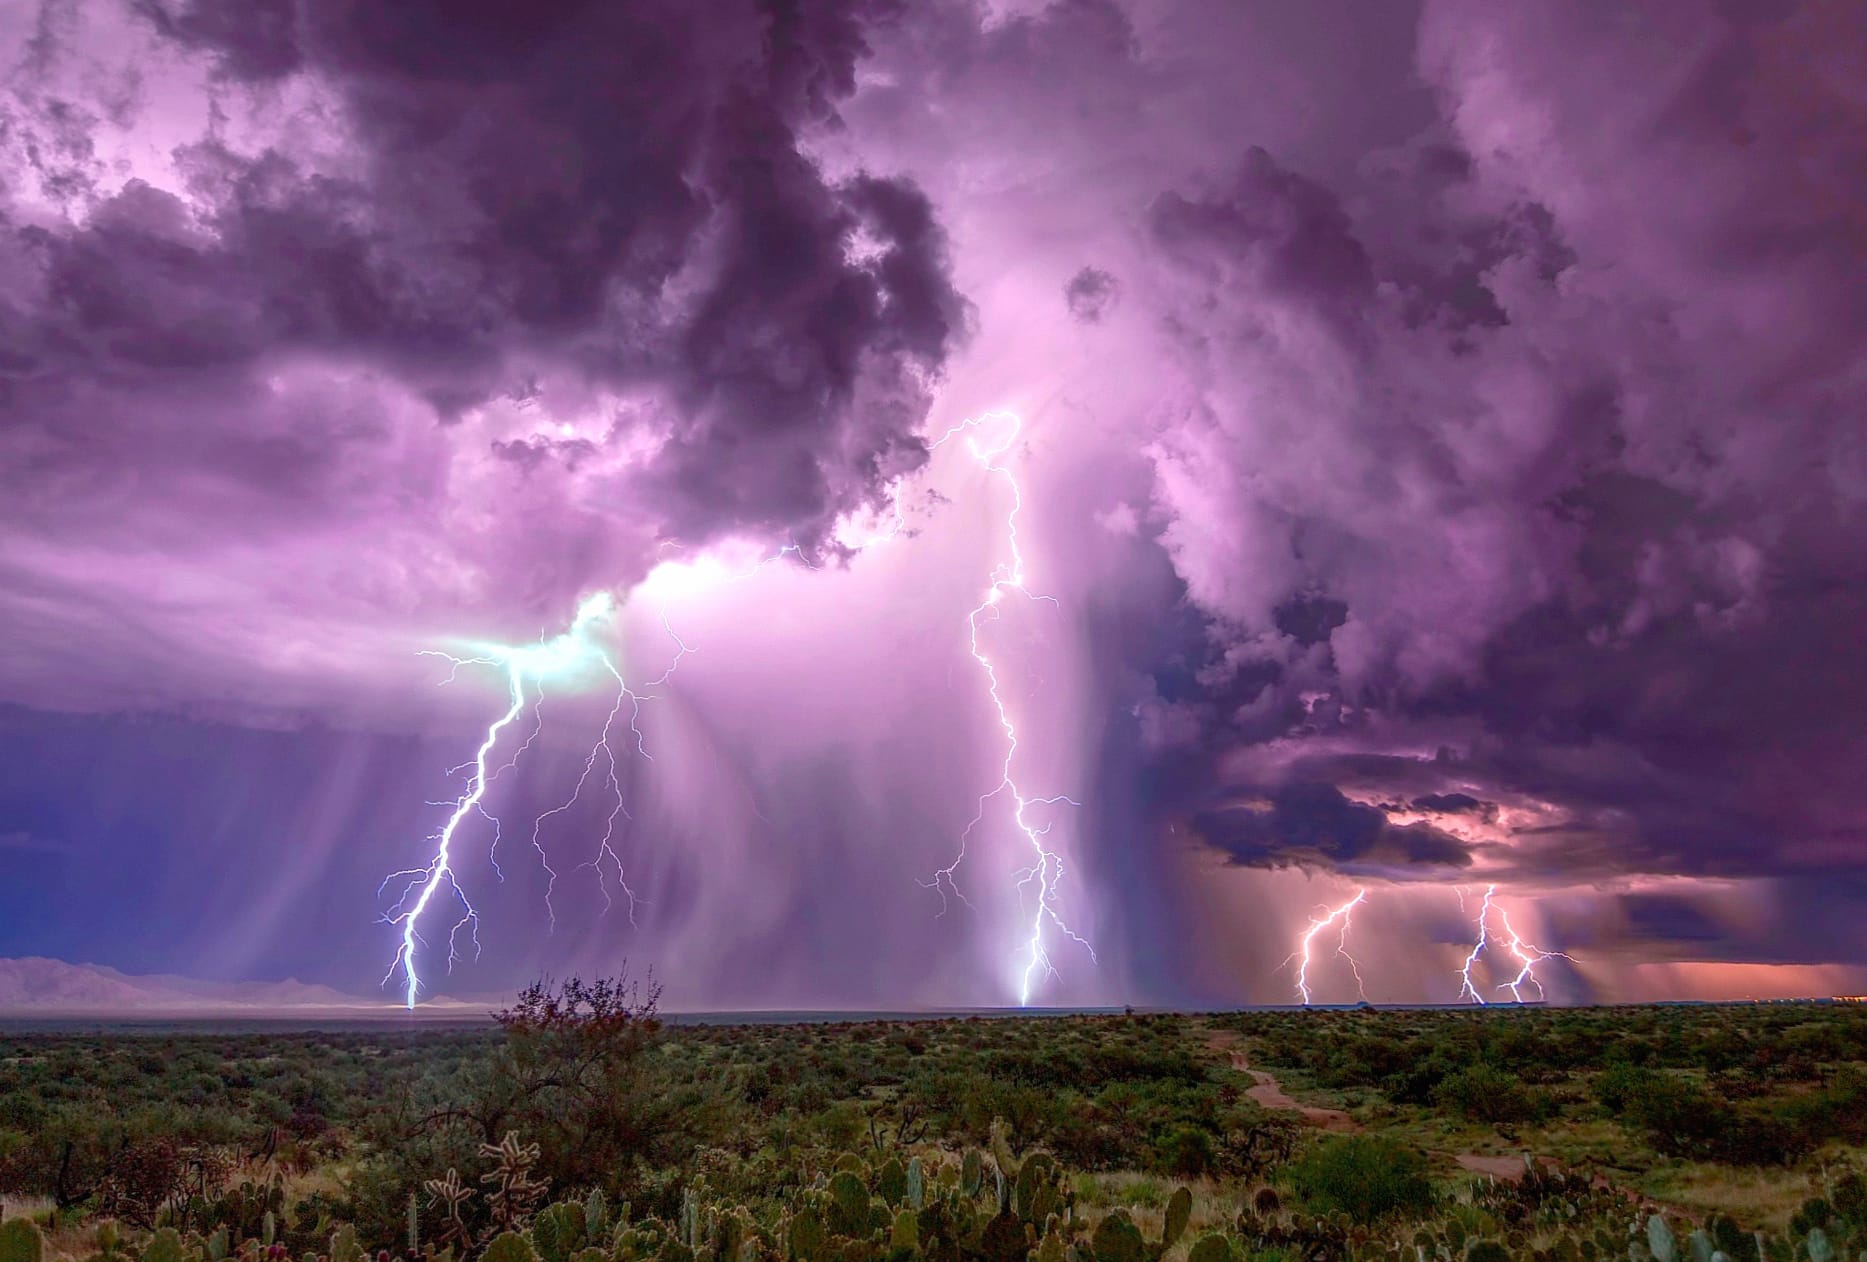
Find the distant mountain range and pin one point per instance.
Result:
(35, 986)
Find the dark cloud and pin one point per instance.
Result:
(1450, 803)
(1090, 294)
(1314, 823)
(1669, 919)
(574, 214)
(1588, 523)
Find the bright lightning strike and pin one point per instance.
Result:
(1007, 580)
(564, 655)
(1302, 955)
(1528, 955)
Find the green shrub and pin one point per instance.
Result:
(1364, 1176)
(1485, 1093)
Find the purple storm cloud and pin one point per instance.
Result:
(1443, 444)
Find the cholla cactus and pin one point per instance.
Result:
(448, 1195)
(514, 1192)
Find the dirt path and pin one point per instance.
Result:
(1269, 1093)
(1509, 1169)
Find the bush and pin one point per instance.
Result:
(1364, 1176)
(1485, 1093)
(1187, 1153)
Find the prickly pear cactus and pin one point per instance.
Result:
(1117, 1239)
(20, 1241)
(557, 1231)
(508, 1246)
(1034, 1196)
(1179, 1213)
(164, 1246)
(1210, 1248)
(891, 1181)
(906, 1233)
(1660, 1240)
(848, 1213)
(1820, 1250)
(1004, 1239)
(596, 1215)
(1698, 1244)
(971, 1172)
(806, 1236)
(1001, 1148)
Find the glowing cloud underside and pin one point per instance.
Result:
(1007, 580)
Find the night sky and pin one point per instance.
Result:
(1435, 435)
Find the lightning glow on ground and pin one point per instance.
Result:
(1007, 579)
(1302, 955)
(1527, 954)
(562, 656)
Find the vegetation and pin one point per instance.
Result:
(582, 1128)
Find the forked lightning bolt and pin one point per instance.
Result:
(1527, 955)
(1301, 955)
(1007, 579)
(566, 654)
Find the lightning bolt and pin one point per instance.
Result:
(1527, 954)
(563, 655)
(1466, 986)
(1007, 580)
(1302, 954)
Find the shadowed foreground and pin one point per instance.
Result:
(582, 1128)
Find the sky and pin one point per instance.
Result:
(1075, 494)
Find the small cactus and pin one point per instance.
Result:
(971, 1172)
(906, 1233)
(508, 1246)
(849, 1206)
(344, 1247)
(1210, 1248)
(20, 1241)
(1660, 1240)
(891, 1181)
(1117, 1239)
(1179, 1213)
(806, 1236)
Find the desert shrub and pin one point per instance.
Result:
(1187, 1152)
(1850, 1196)
(1620, 1084)
(1485, 1093)
(1364, 1176)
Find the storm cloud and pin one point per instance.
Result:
(1443, 446)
